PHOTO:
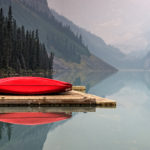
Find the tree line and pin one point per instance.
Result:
(21, 49)
(61, 39)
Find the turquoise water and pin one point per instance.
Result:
(123, 128)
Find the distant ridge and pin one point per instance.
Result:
(96, 45)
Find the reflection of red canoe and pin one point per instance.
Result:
(32, 85)
(33, 118)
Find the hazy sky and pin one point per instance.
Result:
(123, 23)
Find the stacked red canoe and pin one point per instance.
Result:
(32, 85)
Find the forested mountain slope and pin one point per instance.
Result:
(96, 45)
(68, 48)
(99, 48)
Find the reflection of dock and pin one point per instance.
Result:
(72, 98)
(47, 109)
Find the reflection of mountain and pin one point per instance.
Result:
(147, 79)
(26, 137)
(8, 129)
(146, 61)
(119, 80)
(88, 79)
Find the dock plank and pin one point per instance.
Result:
(67, 98)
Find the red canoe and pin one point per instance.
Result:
(32, 85)
(33, 118)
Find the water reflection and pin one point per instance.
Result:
(123, 128)
(33, 118)
(27, 127)
(120, 80)
(31, 131)
(126, 127)
(85, 78)
(29, 137)
(7, 127)
(25, 137)
(47, 109)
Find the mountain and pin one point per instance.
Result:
(99, 48)
(96, 45)
(39, 5)
(68, 48)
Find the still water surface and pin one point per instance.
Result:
(123, 128)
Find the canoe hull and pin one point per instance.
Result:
(32, 85)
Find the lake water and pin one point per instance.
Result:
(123, 128)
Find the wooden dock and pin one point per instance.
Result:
(72, 98)
(79, 88)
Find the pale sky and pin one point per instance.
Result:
(122, 23)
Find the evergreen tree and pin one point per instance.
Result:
(21, 49)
